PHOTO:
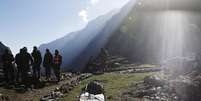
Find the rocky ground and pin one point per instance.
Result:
(57, 92)
(158, 87)
(51, 90)
(164, 88)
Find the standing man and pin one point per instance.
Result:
(19, 65)
(7, 59)
(47, 63)
(37, 60)
(26, 61)
(57, 64)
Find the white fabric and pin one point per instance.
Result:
(90, 97)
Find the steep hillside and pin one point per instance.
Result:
(74, 43)
(98, 42)
(141, 36)
(137, 32)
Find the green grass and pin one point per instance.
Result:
(113, 84)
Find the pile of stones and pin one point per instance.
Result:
(66, 76)
(59, 92)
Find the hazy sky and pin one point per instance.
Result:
(34, 22)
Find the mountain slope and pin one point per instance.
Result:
(141, 36)
(98, 42)
(74, 43)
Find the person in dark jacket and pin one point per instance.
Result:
(57, 64)
(37, 60)
(19, 65)
(47, 63)
(26, 61)
(7, 59)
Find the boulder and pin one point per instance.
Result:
(95, 88)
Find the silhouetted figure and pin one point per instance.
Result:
(47, 63)
(18, 62)
(7, 59)
(37, 60)
(57, 64)
(26, 61)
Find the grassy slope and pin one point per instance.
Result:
(113, 83)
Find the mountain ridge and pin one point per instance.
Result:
(73, 43)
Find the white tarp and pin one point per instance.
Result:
(90, 97)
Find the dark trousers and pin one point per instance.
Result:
(26, 79)
(48, 71)
(36, 71)
(9, 73)
(57, 72)
(19, 74)
(25, 76)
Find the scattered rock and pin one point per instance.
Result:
(154, 81)
(152, 89)
(20, 89)
(4, 98)
(59, 92)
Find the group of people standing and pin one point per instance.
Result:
(29, 65)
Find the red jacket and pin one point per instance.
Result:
(57, 59)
